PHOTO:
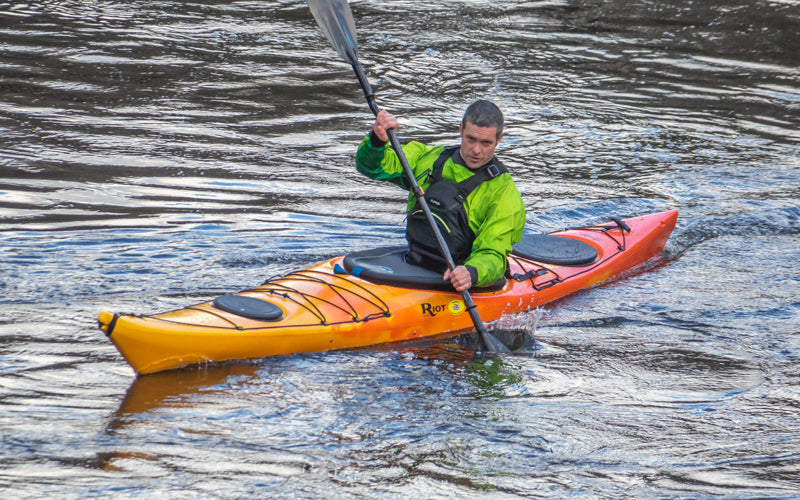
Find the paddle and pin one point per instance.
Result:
(336, 20)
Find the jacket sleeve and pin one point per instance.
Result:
(496, 233)
(381, 162)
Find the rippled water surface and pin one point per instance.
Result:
(154, 154)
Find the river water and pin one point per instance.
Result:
(156, 154)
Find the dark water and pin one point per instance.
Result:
(154, 154)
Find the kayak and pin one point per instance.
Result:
(374, 297)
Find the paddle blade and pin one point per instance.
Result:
(514, 340)
(336, 20)
(493, 344)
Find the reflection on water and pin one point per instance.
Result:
(157, 154)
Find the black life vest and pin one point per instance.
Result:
(446, 200)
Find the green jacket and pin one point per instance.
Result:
(495, 209)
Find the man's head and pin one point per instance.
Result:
(481, 130)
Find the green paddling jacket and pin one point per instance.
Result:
(495, 209)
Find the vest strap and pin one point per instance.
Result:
(485, 173)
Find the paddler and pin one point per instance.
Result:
(472, 195)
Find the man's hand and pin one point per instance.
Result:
(383, 122)
(459, 278)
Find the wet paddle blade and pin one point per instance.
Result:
(493, 344)
(490, 343)
(512, 339)
(336, 20)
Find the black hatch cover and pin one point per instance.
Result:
(248, 307)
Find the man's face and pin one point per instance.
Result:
(478, 144)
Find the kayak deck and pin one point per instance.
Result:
(328, 307)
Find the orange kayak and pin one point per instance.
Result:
(374, 297)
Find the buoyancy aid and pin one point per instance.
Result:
(446, 200)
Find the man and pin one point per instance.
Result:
(479, 208)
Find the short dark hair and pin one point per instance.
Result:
(484, 113)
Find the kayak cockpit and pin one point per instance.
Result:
(388, 265)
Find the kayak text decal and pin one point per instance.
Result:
(453, 307)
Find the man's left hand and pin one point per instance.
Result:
(459, 278)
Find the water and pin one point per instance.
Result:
(155, 154)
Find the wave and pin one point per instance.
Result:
(773, 222)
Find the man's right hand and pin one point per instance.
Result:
(383, 122)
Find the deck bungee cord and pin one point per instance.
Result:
(539, 269)
(278, 287)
